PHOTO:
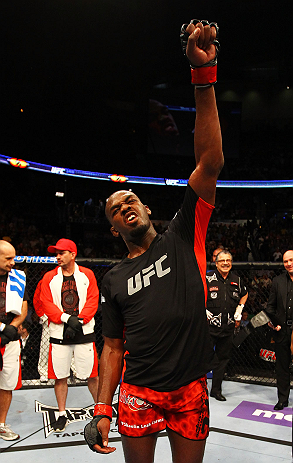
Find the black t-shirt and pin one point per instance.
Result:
(69, 295)
(9, 316)
(224, 295)
(159, 299)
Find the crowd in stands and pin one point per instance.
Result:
(234, 225)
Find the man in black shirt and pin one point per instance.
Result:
(280, 311)
(153, 305)
(226, 298)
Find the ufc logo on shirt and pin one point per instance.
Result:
(143, 278)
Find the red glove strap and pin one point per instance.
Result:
(204, 76)
(103, 409)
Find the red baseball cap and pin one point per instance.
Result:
(63, 245)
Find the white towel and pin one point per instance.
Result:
(15, 291)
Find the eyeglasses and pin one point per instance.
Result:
(225, 260)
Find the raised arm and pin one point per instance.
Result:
(201, 53)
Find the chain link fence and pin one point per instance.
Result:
(35, 353)
(252, 361)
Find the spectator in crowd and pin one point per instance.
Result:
(13, 310)
(69, 297)
(280, 311)
(244, 319)
(227, 296)
(216, 252)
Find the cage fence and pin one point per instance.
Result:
(253, 361)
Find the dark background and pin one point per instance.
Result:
(82, 71)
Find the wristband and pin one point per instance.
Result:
(205, 76)
(103, 409)
(2, 327)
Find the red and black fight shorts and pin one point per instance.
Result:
(143, 411)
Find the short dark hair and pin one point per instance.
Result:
(223, 252)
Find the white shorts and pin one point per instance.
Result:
(10, 377)
(85, 359)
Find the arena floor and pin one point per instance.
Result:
(243, 429)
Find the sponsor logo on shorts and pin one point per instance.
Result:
(141, 426)
(134, 403)
(263, 413)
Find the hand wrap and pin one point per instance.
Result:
(205, 75)
(91, 433)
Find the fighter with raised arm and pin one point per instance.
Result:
(154, 320)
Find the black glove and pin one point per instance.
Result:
(69, 333)
(184, 38)
(4, 339)
(10, 332)
(91, 433)
(74, 323)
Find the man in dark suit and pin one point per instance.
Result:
(280, 311)
(30, 347)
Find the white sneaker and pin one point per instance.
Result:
(7, 434)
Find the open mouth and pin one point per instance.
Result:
(130, 217)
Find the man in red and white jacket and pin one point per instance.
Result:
(70, 296)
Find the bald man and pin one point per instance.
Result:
(13, 311)
(280, 311)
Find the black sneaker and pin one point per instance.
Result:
(60, 424)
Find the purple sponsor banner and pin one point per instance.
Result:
(262, 412)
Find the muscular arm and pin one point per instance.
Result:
(207, 145)
(110, 373)
(207, 134)
(110, 369)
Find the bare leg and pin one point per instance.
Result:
(185, 450)
(93, 384)
(61, 390)
(139, 449)
(5, 401)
